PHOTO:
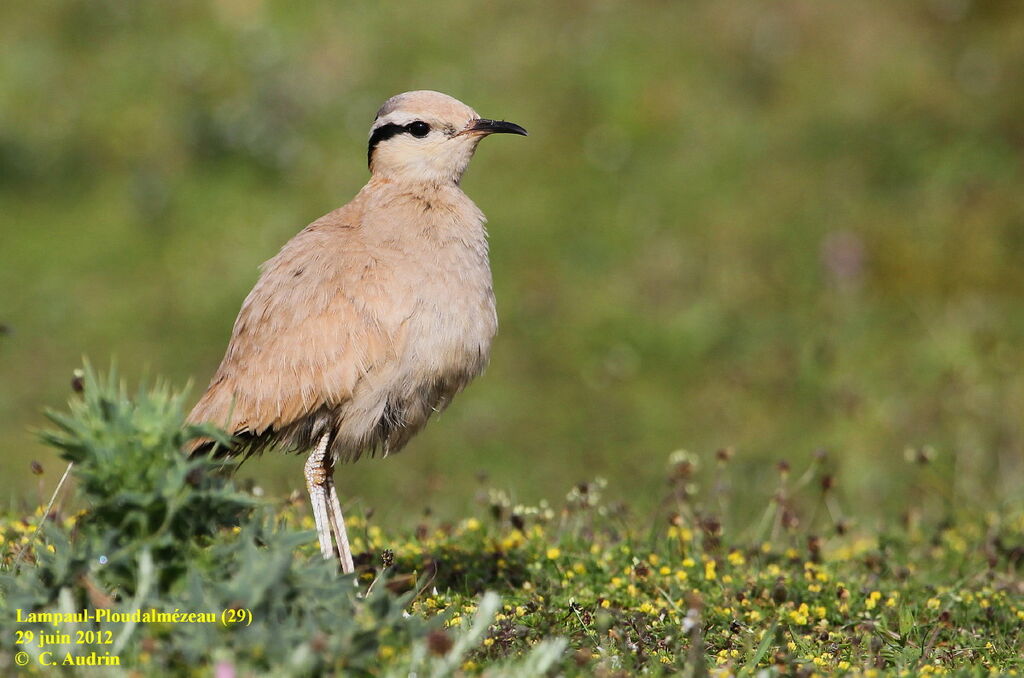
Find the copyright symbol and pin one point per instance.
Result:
(21, 659)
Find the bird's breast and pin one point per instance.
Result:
(452, 321)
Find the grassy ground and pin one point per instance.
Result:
(580, 586)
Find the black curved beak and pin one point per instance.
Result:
(485, 126)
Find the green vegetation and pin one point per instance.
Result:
(787, 231)
(581, 588)
(772, 226)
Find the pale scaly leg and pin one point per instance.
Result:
(316, 483)
(338, 524)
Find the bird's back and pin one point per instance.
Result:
(364, 324)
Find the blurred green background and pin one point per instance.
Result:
(773, 226)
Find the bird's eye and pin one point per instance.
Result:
(418, 129)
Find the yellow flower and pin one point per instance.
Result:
(472, 524)
(513, 540)
(736, 558)
(688, 562)
(933, 603)
(606, 603)
(386, 652)
(709, 570)
(665, 570)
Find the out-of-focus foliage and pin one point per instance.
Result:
(773, 226)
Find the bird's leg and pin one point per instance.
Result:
(316, 483)
(338, 524)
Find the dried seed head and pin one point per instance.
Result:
(783, 467)
(682, 465)
(790, 520)
(919, 455)
(387, 556)
(779, 593)
(828, 481)
(318, 643)
(711, 526)
(37, 468)
(725, 454)
(78, 381)
(439, 642)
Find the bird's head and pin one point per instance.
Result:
(427, 136)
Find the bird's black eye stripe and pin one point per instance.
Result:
(418, 129)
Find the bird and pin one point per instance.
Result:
(369, 320)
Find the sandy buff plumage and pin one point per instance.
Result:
(374, 316)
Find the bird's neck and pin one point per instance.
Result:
(404, 184)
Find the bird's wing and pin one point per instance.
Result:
(304, 336)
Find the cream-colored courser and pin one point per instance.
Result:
(373, 317)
